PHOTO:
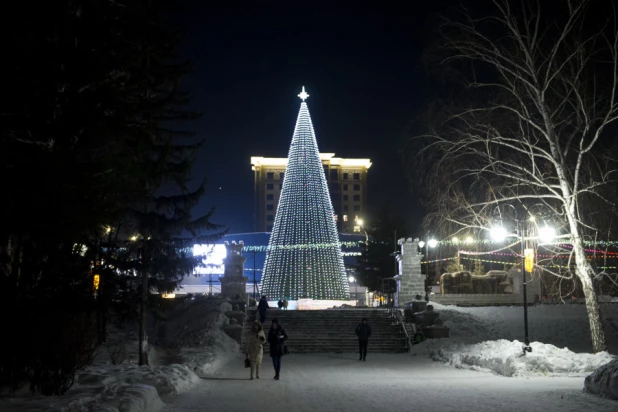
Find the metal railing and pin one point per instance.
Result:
(397, 319)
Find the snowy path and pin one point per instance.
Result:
(335, 383)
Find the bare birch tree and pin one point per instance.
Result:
(543, 84)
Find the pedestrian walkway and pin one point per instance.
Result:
(387, 382)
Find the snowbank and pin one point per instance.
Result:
(604, 381)
(505, 358)
(565, 326)
(189, 343)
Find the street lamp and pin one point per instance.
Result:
(431, 243)
(351, 279)
(547, 234)
(499, 233)
(360, 224)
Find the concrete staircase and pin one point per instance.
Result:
(332, 330)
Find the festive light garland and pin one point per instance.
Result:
(446, 242)
(304, 257)
(266, 248)
(506, 263)
(516, 254)
(424, 262)
(590, 250)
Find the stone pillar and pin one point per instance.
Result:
(410, 281)
(233, 282)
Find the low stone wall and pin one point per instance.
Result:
(481, 300)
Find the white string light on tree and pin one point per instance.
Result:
(304, 258)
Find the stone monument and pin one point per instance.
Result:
(410, 281)
(233, 282)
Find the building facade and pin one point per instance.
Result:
(347, 184)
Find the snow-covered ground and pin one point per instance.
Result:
(196, 364)
(191, 343)
(487, 339)
(386, 382)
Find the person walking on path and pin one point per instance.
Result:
(280, 304)
(253, 346)
(285, 304)
(276, 338)
(262, 308)
(363, 331)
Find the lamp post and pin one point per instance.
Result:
(499, 233)
(360, 223)
(431, 243)
(351, 279)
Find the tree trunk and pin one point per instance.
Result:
(584, 273)
(143, 336)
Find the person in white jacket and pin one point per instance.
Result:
(253, 346)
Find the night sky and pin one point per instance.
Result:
(362, 70)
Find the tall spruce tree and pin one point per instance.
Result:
(85, 149)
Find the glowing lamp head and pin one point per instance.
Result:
(421, 244)
(360, 222)
(455, 240)
(351, 279)
(432, 243)
(547, 234)
(498, 233)
(469, 240)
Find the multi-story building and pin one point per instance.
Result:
(347, 184)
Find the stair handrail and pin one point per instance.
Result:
(395, 314)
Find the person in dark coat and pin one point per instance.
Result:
(363, 331)
(262, 308)
(276, 338)
(280, 304)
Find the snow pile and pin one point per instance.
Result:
(505, 358)
(559, 325)
(486, 338)
(188, 343)
(193, 335)
(604, 381)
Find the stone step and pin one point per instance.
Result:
(332, 331)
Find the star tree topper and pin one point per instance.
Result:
(303, 95)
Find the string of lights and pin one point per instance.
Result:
(304, 257)
(598, 243)
(265, 248)
(501, 262)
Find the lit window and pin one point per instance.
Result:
(356, 218)
(270, 175)
(336, 218)
(345, 218)
(357, 228)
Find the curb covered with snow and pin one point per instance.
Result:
(604, 381)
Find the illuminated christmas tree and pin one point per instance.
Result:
(304, 257)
